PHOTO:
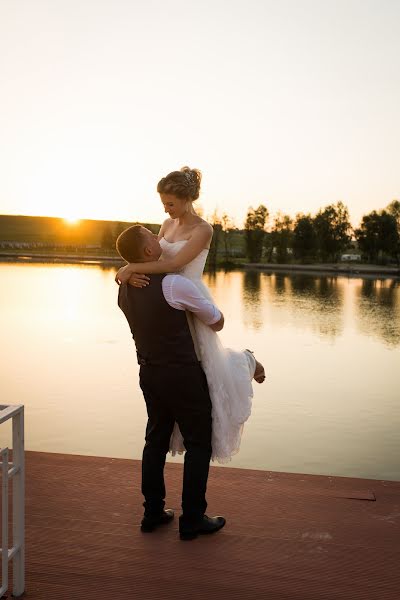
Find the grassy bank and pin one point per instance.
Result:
(46, 232)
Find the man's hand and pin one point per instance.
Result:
(219, 324)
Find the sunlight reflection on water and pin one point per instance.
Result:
(331, 347)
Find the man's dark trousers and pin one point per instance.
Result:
(176, 393)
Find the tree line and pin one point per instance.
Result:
(323, 237)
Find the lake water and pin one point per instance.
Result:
(331, 347)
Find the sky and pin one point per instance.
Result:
(292, 104)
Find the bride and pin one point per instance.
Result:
(185, 241)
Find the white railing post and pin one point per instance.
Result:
(16, 471)
(18, 490)
(4, 520)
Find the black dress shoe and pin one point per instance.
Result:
(207, 525)
(151, 523)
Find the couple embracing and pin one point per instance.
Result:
(197, 393)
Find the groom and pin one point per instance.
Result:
(173, 383)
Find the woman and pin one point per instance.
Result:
(185, 240)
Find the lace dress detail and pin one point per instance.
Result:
(229, 373)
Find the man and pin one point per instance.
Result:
(173, 384)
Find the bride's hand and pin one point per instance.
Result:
(123, 274)
(138, 280)
(126, 275)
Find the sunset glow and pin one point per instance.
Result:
(72, 220)
(293, 105)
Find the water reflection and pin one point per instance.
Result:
(211, 276)
(328, 304)
(71, 360)
(107, 267)
(378, 311)
(299, 299)
(252, 302)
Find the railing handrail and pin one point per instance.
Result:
(15, 471)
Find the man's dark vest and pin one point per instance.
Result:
(161, 333)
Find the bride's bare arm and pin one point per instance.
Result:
(163, 228)
(200, 239)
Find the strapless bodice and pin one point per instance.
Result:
(194, 269)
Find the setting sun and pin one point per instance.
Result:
(72, 220)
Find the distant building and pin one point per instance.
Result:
(350, 257)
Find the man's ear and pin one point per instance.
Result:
(147, 251)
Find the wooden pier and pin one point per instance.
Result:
(288, 536)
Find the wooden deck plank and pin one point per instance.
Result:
(288, 536)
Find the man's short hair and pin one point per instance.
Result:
(130, 244)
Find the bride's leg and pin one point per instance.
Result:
(259, 374)
(257, 370)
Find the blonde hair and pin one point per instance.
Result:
(184, 184)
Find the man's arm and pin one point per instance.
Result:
(181, 293)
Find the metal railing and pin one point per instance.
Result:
(15, 471)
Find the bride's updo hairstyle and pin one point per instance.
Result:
(184, 184)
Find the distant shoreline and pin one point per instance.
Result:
(28, 257)
(328, 269)
(353, 270)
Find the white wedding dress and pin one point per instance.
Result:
(229, 373)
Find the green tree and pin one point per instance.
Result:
(227, 226)
(378, 236)
(281, 236)
(304, 238)
(367, 235)
(333, 230)
(255, 224)
(394, 209)
(389, 235)
(216, 239)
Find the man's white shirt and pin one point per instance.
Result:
(181, 293)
